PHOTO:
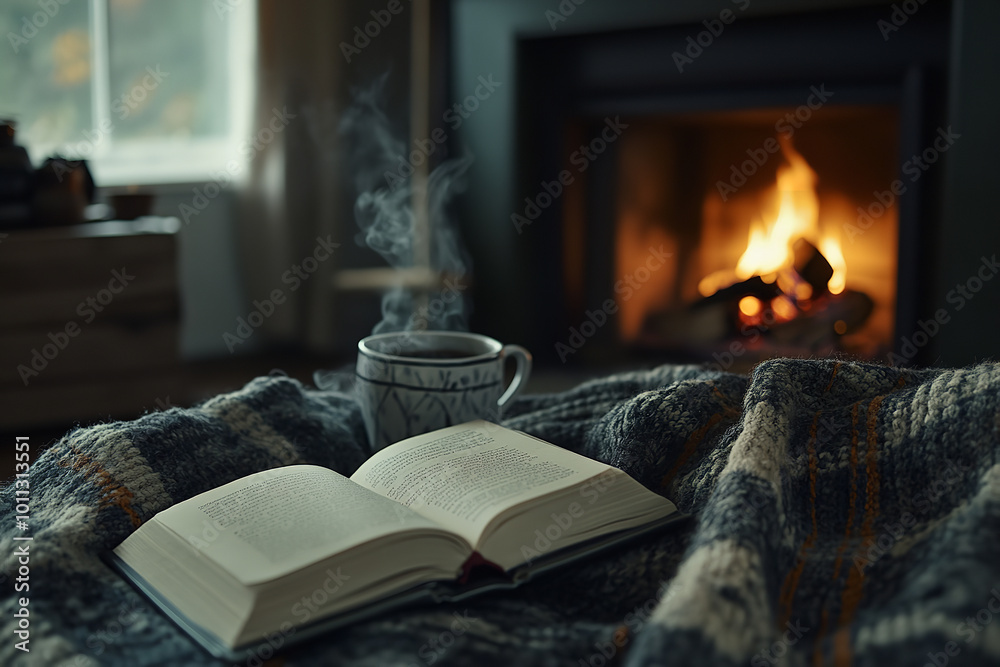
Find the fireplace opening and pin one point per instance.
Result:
(642, 195)
(750, 228)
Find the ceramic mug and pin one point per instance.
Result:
(413, 382)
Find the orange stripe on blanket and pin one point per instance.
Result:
(791, 584)
(727, 408)
(851, 598)
(694, 440)
(852, 503)
(690, 447)
(112, 493)
(836, 367)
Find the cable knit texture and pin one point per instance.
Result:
(844, 514)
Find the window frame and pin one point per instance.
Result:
(167, 161)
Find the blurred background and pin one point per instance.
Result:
(196, 192)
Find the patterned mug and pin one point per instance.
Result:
(413, 382)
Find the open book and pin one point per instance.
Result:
(439, 517)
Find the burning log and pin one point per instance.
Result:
(843, 313)
(795, 309)
(750, 287)
(812, 266)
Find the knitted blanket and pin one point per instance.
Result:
(844, 514)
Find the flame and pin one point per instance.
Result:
(715, 281)
(769, 248)
(830, 247)
(769, 251)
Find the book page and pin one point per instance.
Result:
(463, 476)
(273, 522)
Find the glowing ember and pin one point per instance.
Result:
(750, 306)
(783, 308)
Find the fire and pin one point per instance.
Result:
(769, 249)
(769, 252)
(830, 247)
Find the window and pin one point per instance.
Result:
(148, 91)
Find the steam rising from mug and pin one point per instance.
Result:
(384, 214)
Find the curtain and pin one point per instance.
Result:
(286, 210)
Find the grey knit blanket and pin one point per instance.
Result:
(843, 514)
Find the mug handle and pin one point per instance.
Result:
(521, 373)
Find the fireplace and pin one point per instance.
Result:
(696, 180)
(746, 231)
(548, 279)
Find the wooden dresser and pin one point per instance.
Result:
(89, 321)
